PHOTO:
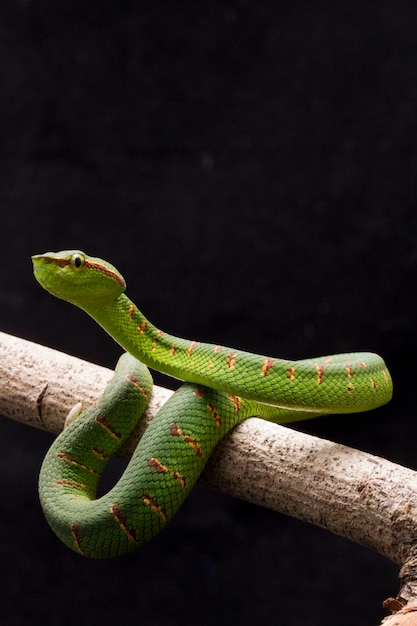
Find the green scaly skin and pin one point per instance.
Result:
(224, 386)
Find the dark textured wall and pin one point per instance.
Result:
(251, 167)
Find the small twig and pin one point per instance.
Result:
(351, 493)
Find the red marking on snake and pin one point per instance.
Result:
(236, 401)
(268, 363)
(100, 455)
(199, 393)
(231, 360)
(385, 376)
(142, 327)
(75, 533)
(177, 476)
(69, 459)
(159, 334)
(61, 262)
(373, 383)
(105, 270)
(176, 431)
(121, 520)
(173, 350)
(101, 421)
(192, 348)
(155, 508)
(350, 388)
(132, 379)
(218, 349)
(156, 465)
(362, 365)
(215, 415)
(193, 443)
(131, 311)
(349, 371)
(70, 483)
(291, 372)
(320, 372)
(328, 360)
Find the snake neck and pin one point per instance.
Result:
(123, 321)
(127, 325)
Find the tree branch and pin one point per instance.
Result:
(351, 493)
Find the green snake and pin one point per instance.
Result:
(223, 387)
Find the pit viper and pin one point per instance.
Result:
(222, 387)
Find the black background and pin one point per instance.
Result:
(251, 169)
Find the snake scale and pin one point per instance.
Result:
(223, 387)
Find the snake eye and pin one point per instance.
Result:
(77, 261)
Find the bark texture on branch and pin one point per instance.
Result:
(351, 493)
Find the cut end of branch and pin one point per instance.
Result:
(401, 615)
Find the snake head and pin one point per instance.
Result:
(78, 278)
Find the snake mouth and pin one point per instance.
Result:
(49, 272)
